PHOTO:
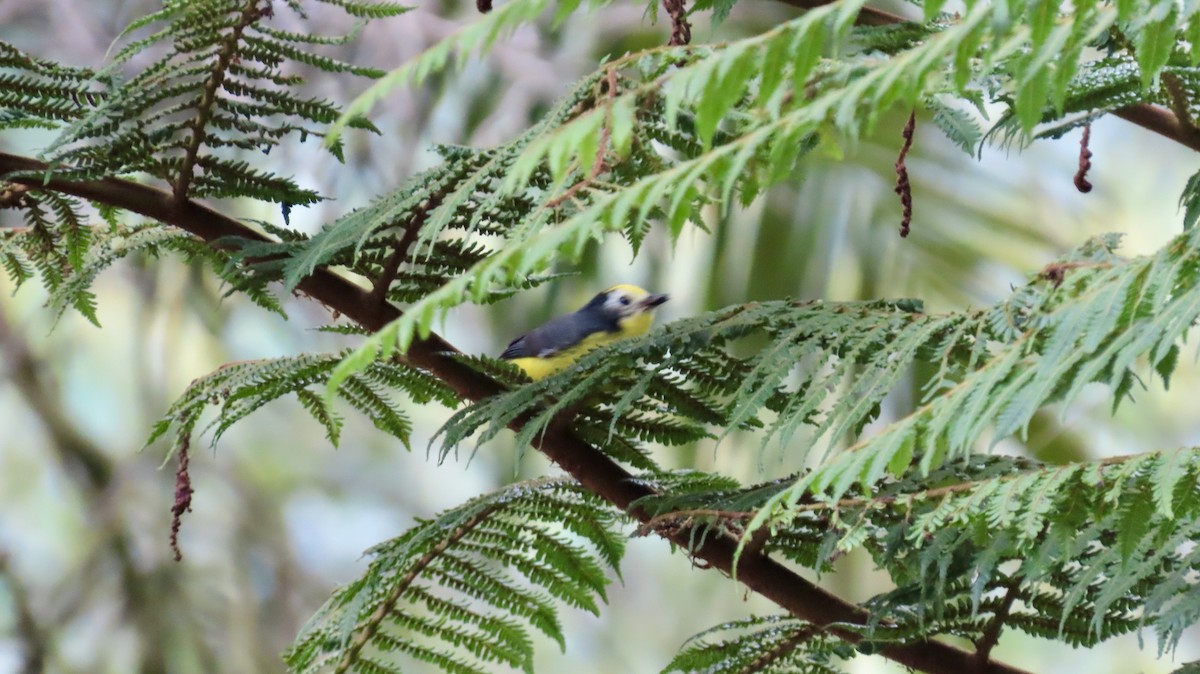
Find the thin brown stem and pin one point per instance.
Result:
(392, 267)
(36, 640)
(1085, 162)
(781, 649)
(991, 634)
(598, 164)
(204, 109)
(903, 186)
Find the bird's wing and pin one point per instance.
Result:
(555, 335)
(516, 349)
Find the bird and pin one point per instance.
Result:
(618, 312)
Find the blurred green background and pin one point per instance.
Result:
(87, 583)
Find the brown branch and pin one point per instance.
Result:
(35, 639)
(587, 464)
(204, 109)
(1160, 121)
(13, 195)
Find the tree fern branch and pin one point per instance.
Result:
(368, 631)
(991, 634)
(596, 471)
(204, 110)
(1160, 121)
(412, 230)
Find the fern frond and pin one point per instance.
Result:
(42, 94)
(465, 588)
(1057, 530)
(54, 247)
(1086, 318)
(475, 37)
(739, 111)
(635, 388)
(241, 388)
(216, 91)
(770, 645)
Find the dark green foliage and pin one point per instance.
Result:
(737, 116)
(67, 253)
(1086, 318)
(465, 589)
(973, 543)
(216, 88)
(241, 388)
(54, 246)
(673, 385)
(1189, 201)
(944, 538)
(38, 93)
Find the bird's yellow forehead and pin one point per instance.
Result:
(628, 289)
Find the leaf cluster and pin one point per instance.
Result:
(238, 389)
(973, 543)
(466, 588)
(221, 81)
(737, 115)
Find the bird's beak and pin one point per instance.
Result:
(652, 301)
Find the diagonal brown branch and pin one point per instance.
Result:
(587, 464)
(30, 633)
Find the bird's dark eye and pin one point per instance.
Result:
(625, 300)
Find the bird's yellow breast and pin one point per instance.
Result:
(539, 368)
